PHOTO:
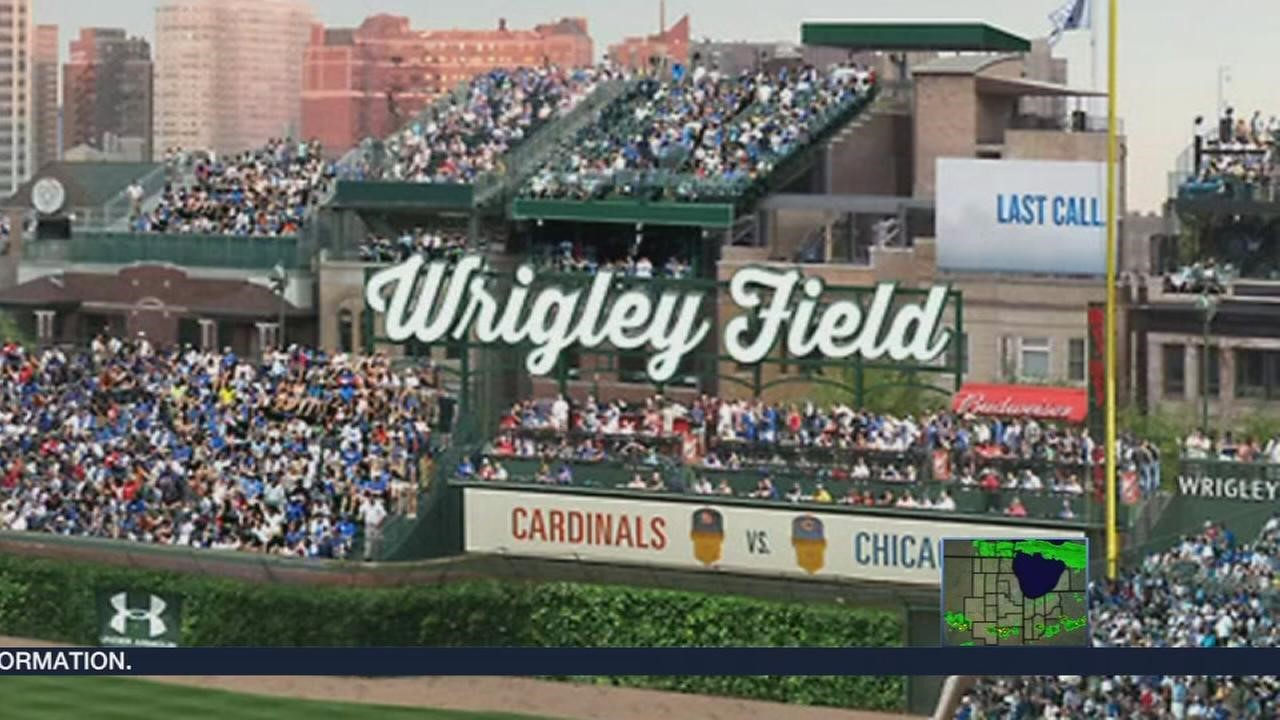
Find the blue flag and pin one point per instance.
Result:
(1074, 15)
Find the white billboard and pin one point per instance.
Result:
(789, 540)
(1022, 216)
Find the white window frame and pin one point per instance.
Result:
(1024, 347)
(1084, 374)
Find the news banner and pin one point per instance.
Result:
(1008, 606)
(400, 662)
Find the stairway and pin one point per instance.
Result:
(531, 154)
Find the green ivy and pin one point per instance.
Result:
(55, 600)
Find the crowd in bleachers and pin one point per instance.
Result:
(1238, 153)
(433, 244)
(1206, 591)
(291, 455)
(1199, 697)
(1228, 447)
(570, 258)
(705, 132)
(267, 191)
(835, 449)
(465, 136)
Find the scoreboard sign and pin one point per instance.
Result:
(789, 540)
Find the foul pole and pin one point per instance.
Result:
(1113, 535)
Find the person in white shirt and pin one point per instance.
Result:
(372, 514)
(945, 502)
(560, 413)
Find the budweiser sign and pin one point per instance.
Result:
(442, 301)
(1045, 403)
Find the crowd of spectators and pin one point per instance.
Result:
(701, 133)
(1205, 697)
(1238, 153)
(291, 455)
(267, 191)
(1228, 447)
(1202, 276)
(568, 258)
(467, 135)
(434, 244)
(833, 447)
(1208, 590)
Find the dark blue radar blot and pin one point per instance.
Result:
(1037, 576)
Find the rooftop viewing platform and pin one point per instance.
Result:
(701, 138)
(473, 145)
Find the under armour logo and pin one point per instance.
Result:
(152, 615)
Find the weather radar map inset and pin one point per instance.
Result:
(1015, 592)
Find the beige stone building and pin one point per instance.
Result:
(228, 73)
(17, 132)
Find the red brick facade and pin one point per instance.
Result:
(368, 81)
(671, 45)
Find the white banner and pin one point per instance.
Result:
(790, 540)
(1024, 216)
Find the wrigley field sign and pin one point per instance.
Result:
(1245, 482)
(451, 301)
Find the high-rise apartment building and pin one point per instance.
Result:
(228, 73)
(17, 140)
(44, 86)
(107, 92)
(370, 80)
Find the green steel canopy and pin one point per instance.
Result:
(707, 215)
(956, 36)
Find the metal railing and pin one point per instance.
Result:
(208, 251)
(525, 158)
(115, 211)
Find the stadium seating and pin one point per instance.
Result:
(286, 456)
(1238, 161)
(801, 453)
(470, 132)
(701, 136)
(1206, 591)
(268, 191)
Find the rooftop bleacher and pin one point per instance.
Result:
(482, 133)
(267, 191)
(701, 137)
(1236, 160)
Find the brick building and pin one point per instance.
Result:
(107, 91)
(639, 52)
(44, 89)
(368, 81)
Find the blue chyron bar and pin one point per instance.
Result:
(374, 662)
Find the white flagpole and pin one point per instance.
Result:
(1093, 53)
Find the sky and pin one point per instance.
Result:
(1169, 58)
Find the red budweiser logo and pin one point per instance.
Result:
(980, 404)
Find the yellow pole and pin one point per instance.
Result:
(1113, 539)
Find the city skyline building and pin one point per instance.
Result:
(228, 73)
(107, 93)
(17, 136)
(46, 106)
(370, 80)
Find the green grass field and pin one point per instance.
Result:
(109, 698)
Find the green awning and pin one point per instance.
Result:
(386, 195)
(713, 215)
(940, 36)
